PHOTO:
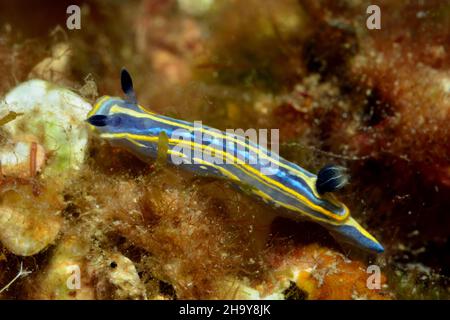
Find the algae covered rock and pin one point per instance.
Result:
(56, 116)
(66, 276)
(43, 147)
(78, 270)
(28, 223)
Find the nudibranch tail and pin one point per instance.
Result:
(352, 232)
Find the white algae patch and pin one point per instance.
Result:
(56, 114)
(41, 150)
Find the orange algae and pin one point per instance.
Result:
(326, 274)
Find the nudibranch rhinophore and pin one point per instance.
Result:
(124, 123)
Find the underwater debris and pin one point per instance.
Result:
(9, 117)
(21, 273)
(23, 158)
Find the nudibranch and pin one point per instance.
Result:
(266, 175)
